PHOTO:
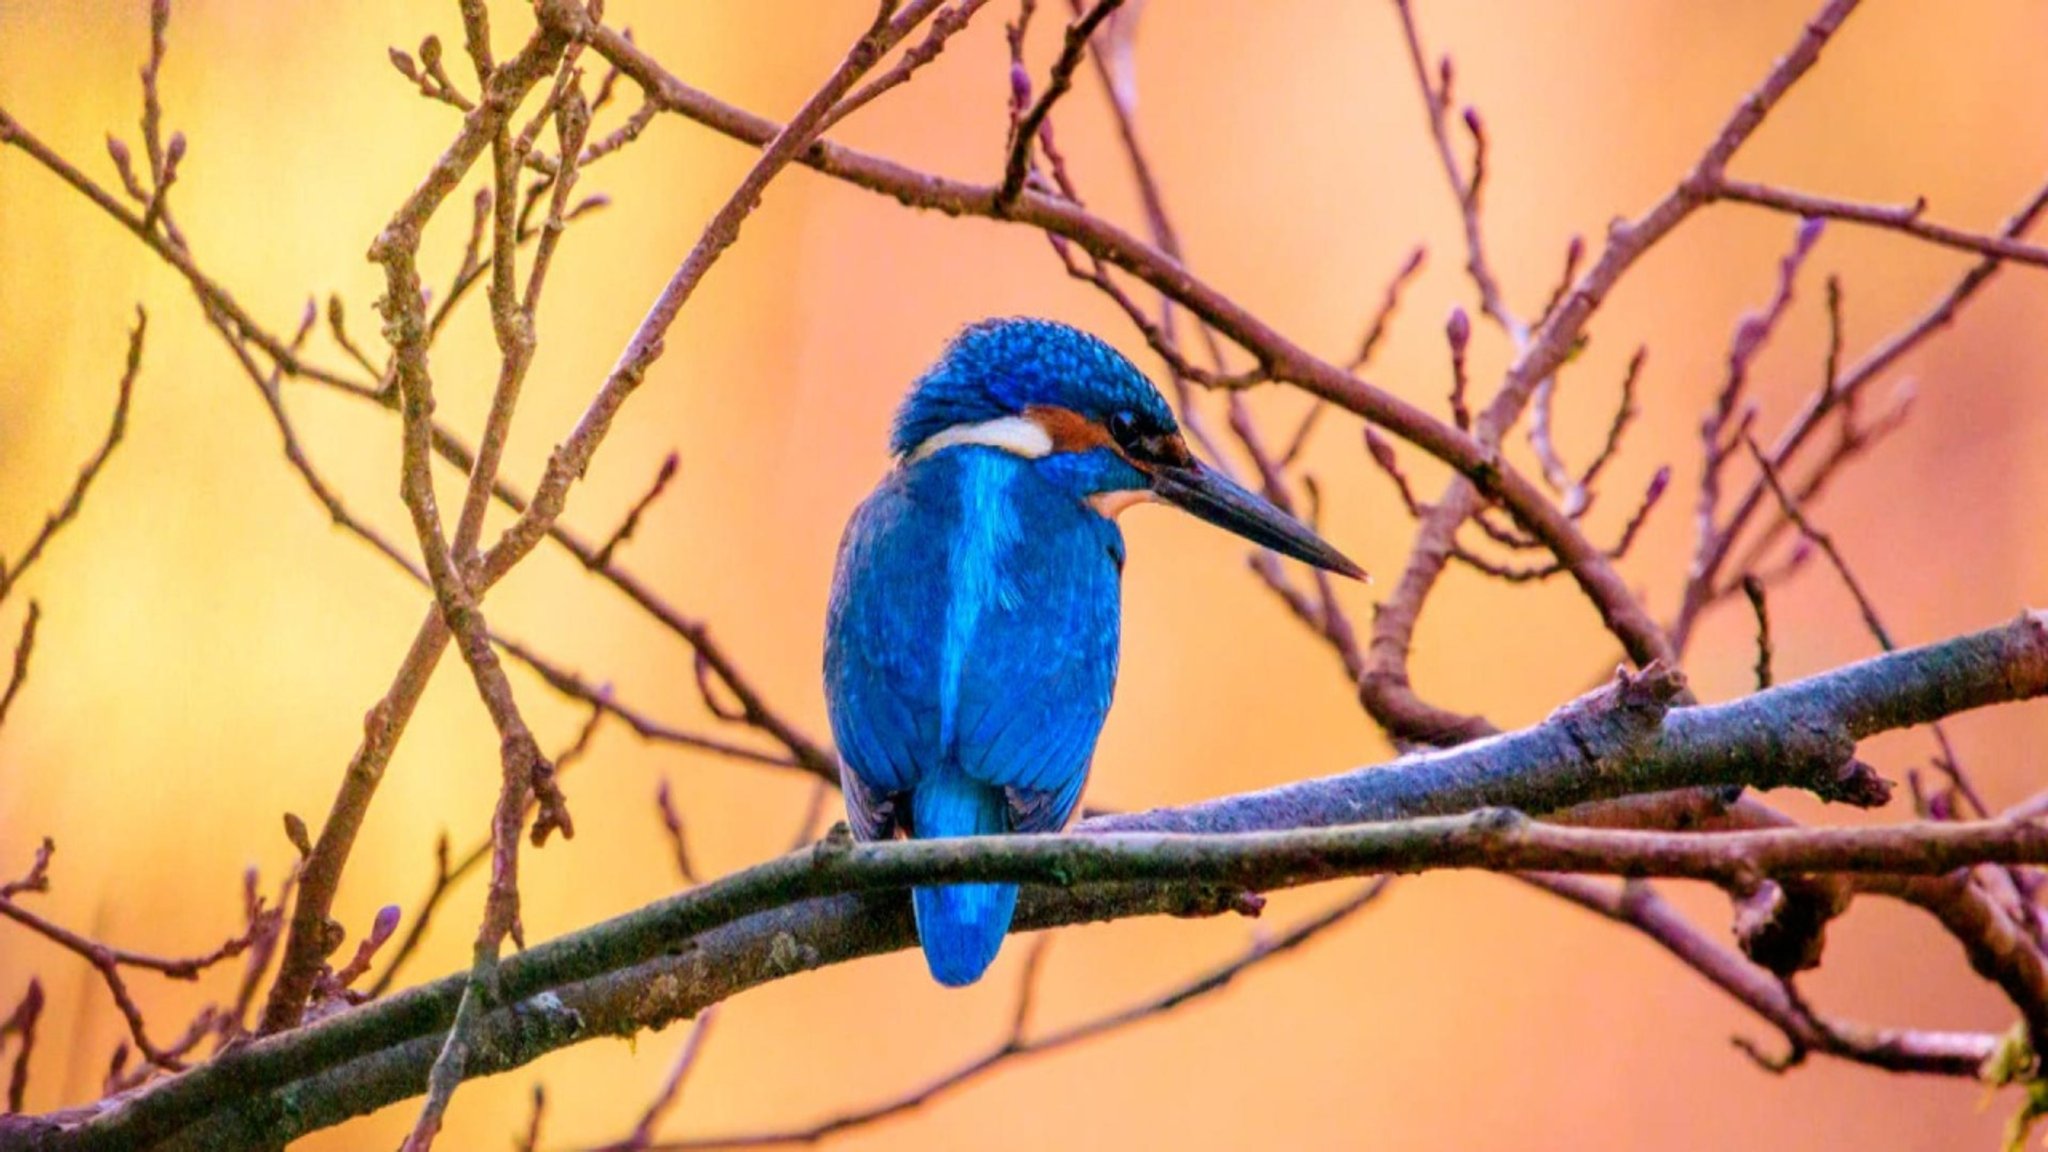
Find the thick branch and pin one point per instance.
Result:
(676, 957)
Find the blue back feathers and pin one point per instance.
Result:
(971, 644)
(998, 368)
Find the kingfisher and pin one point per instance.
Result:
(971, 638)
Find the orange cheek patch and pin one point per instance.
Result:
(1109, 504)
(1070, 431)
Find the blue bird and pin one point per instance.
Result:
(971, 641)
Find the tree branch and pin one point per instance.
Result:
(800, 912)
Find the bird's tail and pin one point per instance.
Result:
(960, 925)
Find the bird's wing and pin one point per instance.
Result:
(1035, 685)
(972, 627)
(888, 604)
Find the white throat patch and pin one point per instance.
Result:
(1018, 435)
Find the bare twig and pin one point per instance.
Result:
(1718, 440)
(446, 875)
(943, 26)
(1838, 396)
(11, 574)
(1458, 334)
(624, 532)
(672, 828)
(21, 1024)
(641, 1139)
(455, 608)
(1385, 688)
(1637, 904)
(1754, 589)
(1825, 543)
(108, 961)
(1389, 302)
(566, 463)
(1908, 219)
(1864, 605)
(1624, 412)
(1061, 79)
(24, 648)
(1382, 454)
(530, 1141)
(1436, 101)
(1019, 1045)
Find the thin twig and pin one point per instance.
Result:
(1825, 543)
(641, 1139)
(943, 26)
(1018, 163)
(1638, 905)
(1624, 412)
(24, 648)
(1826, 402)
(1753, 588)
(672, 829)
(1389, 302)
(1909, 219)
(74, 500)
(624, 532)
(1018, 1045)
(21, 1024)
(1436, 100)
(108, 961)
(566, 463)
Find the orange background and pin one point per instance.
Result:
(210, 642)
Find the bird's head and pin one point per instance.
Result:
(1045, 391)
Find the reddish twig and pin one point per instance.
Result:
(74, 500)
(1436, 101)
(1826, 543)
(1638, 905)
(447, 875)
(1908, 219)
(943, 26)
(1060, 80)
(672, 828)
(24, 648)
(1018, 1044)
(1458, 334)
(1624, 412)
(530, 1142)
(624, 532)
(336, 986)
(1864, 605)
(1660, 482)
(108, 961)
(455, 610)
(1753, 588)
(1385, 688)
(1828, 401)
(1718, 442)
(641, 1139)
(604, 700)
(566, 463)
(448, 562)
(1389, 302)
(1382, 454)
(21, 1024)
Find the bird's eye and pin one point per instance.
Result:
(1123, 428)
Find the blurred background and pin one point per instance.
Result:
(210, 642)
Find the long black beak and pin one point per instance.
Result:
(1213, 497)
